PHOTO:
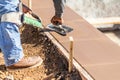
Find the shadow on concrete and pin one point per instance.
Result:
(115, 30)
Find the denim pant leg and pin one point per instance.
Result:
(10, 43)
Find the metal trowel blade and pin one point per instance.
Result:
(60, 29)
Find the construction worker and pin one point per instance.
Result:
(10, 42)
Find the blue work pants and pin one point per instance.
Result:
(10, 42)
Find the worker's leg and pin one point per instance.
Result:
(10, 43)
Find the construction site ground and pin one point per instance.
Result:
(36, 43)
(96, 57)
(33, 45)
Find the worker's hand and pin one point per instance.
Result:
(26, 9)
(56, 20)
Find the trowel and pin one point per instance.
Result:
(60, 29)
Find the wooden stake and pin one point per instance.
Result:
(71, 55)
(30, 4)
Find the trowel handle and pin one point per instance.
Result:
(26, 8)
(35, 16)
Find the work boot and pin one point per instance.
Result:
(27, 62)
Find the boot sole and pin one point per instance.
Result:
(36, 65)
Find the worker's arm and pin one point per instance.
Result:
(59, 7)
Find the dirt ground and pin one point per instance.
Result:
(54, 66)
